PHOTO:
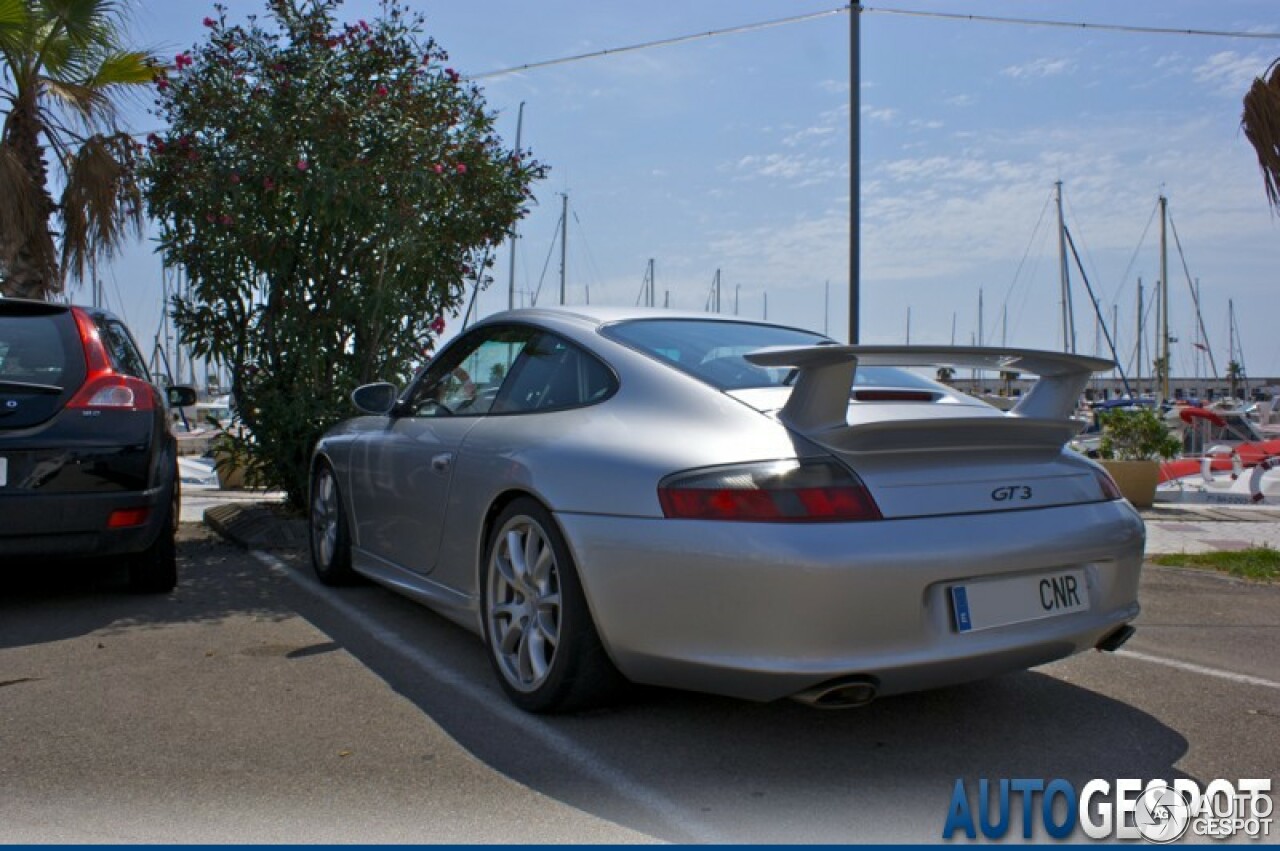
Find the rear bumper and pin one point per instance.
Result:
(763, 611)
(74, 525)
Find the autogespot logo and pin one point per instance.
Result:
(1156, 811)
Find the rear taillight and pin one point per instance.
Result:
(1110, 490)
(104, 389)
(775, 491)
(114, 393)
(123, 518)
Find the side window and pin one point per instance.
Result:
(124, 354)
(553, 374)
(465, 379)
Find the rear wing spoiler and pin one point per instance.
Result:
(820, 400)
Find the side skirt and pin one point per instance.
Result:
(449, 602)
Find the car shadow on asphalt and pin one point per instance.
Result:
(52, 600)
(675, 765)
(682, 766)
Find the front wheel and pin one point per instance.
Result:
(541, 639)
(330, 537)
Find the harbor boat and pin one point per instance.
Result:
(1226, 460)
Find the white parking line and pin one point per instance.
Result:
(584, 760)
(1200, 669)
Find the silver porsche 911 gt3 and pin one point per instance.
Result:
(730, 507)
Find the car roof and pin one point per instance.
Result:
(15, 306)
(596, 316)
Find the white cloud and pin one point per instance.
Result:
(796, 170)
(819, 133)
(884, 114)
(1231, 73)
(834, 87)
(961, 100)
(1039, 68)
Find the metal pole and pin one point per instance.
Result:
(855, 165)
(1164, 301)
(1068, 333)
(1138, 368)
(564, 236)
(511, 276)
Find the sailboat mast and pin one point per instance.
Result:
(1068, 329)
(1138, 366)
(511, 273)
(1166, 366)
(564, 240)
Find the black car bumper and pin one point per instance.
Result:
(80, 524)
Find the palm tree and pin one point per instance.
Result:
(1235, 374)
(1261, 124)
(61, 69)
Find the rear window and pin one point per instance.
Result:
(35, 349)
(713, 352)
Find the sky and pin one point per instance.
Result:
(731, 153)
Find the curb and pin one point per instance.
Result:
(257, 526)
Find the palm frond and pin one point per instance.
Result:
(1261, 124)
(101, 202)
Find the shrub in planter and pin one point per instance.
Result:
(1133, 443)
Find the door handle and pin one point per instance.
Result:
(441, 463)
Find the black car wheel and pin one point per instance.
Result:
(542, 641)
(155, 569)
(330, 537)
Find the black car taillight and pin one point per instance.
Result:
(774, 491)
(104, 388)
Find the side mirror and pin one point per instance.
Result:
(377, 399)
(180, 396)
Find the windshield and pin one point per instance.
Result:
(713, 351)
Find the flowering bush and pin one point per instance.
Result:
(330, 190)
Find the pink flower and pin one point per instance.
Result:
(362, 25)
(225, 219)
(162, 83)
(438, 168)
(210, 22)
(437, 325)
(461, 168)
(451, 74)
(303, 165)
(209, 217)
(381, 91)
(183, 60)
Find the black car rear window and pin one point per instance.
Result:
(35, 349)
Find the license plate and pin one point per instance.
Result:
(999, 602)
(4, 471)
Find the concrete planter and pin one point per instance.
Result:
(1137, 480)
(231, 473)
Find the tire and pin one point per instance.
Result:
(542, 642)
(155, 569)
(330, 535)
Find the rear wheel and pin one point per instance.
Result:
(541, 639)
(155, 569)
(330, 538)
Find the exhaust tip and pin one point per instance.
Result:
(1115, 639)
(842, 693)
